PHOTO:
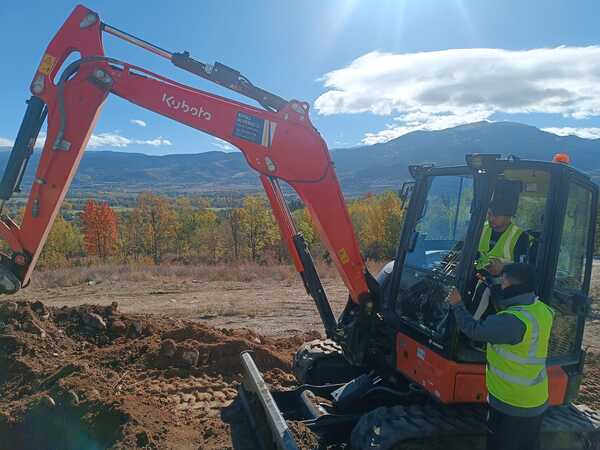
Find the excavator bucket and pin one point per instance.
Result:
(319, 408)
(260, 408)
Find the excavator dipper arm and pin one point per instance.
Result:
(279, 142)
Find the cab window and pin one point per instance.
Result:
(572, 256)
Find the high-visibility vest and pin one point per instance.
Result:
(516, 374)
(504, 249)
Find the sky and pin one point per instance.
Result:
(372, 70)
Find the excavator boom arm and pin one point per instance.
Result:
(279, 142)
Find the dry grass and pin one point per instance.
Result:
(212, 311)
(244, 272)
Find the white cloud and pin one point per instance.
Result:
(422, 121)
(139, 122)
(223, 145)
(108, 140)
(4, 142)
(586, 133)
(456, 86)
(116, 140)
(156, 142)
(112, 139)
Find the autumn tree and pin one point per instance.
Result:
(198, 232)
(257, 226)
(155, 222)
(64, 242)
(131, 236)
(100, 229)
(377, 220)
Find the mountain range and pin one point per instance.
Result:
(372, 168)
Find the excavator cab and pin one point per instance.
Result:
(439, 248)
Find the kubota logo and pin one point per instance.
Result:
(197, 111)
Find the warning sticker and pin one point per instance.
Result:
(47, 64)
(249, 128)
(344, 258)
(254, 129)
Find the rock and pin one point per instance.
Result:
(72, 397)
(38, 308)
(94, 321)
(9, 343)
(168, 348)
(118, 328)
(135, 328)
(112, 309)
(63, 372)
(11, 307)
(187, 356)
(149, 330)
(47, 401)
(142, 439)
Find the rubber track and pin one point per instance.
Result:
(434, 426)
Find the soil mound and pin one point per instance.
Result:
(91, 377)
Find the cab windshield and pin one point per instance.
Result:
(430, 264)
(443, 223)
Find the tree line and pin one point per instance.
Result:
(160, 230)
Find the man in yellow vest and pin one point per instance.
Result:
(517, 340)
(501, 242)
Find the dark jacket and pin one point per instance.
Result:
(499, 329)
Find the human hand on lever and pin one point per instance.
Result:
(495, 267)
(454, 297)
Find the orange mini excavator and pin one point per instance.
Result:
(394, 371)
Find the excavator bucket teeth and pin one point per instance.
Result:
(260, 407)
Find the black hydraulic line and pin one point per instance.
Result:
(136, 41)
(218, 73)
(23, 147)
(313, 286)
(229, 78)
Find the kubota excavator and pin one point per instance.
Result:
(395, 372)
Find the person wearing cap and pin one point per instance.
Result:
(501, 242)
(517, 338)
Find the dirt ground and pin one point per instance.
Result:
(272, 307)
(155, 364)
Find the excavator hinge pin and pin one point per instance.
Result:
(37, 87)
(102, 77)
(88, 20)
(298, 108)
(270, 164)
(62, 145)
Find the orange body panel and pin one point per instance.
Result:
(453, 382)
